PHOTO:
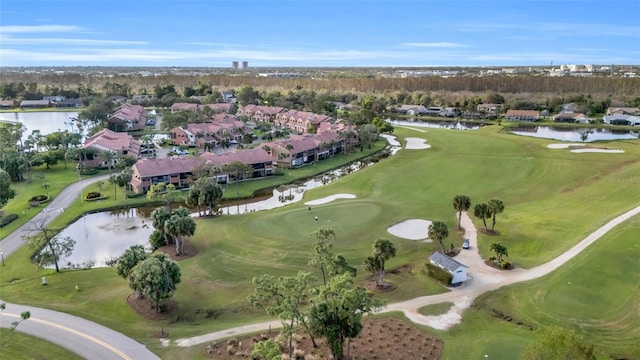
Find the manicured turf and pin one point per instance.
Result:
(19, 346)
(596, 295)
(436, 309)
(553, 199)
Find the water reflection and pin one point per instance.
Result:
(574, 134)
(103, 236)
(456, 125)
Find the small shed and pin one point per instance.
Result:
(455, 268)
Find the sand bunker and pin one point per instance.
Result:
(412, 229)
(608, 151)
(416, 144)
(563, 146)
(330, 199)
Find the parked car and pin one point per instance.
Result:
(146, 151)
(150, 122)
(465, 244)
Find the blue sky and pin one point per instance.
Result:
(318, 33)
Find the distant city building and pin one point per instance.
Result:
(234, 65)
(245, 64)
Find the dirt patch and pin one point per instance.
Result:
(170, 250)
(144, 308)
(389, 339)
(489, 232)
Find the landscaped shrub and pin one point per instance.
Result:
(39, 198)
(156, 240)
(89, 171)
(6, 220)
(439, 274)
(93, 195)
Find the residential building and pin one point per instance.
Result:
(6, 104)
(570, 117)
(211, 133)
(128, 118)
(122, 144)
(176, 171)
(70, 103)
(490, 109)
(457, 270)
(300, 121)
(522, 115)
(621, 119)
(55, 98)
(35, 104)
(260, 113)
(623, 111)
(218, 107)
(258, 159)
(412, 109)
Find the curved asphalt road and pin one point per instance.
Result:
(83, 337)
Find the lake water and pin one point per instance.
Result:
(47, 121)
(456, 125)
(103, 236)
(575, 134)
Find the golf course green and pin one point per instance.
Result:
(553, 199)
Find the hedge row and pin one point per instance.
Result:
(6, 220)
(439, 274)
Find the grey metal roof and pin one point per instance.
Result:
(445, 261)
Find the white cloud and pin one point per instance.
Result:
(24, 29)
(66, 41)
(436, 45)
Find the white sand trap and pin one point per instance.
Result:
(412, 229)
(608, 151)
(330, 199)
(416, 144)
(563, 146)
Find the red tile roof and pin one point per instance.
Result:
(161, 167)
(251, 156)
(115, 141)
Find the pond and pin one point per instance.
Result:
(574, 134)
(456, 125)
(103, 236)
(46, 121)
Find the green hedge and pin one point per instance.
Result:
(6, 220)
(439, 274)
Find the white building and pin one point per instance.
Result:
(456, 269)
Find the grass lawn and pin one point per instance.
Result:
(19, 346)
(596, 295)
(436, 309)
(553, 199)
(56, 178)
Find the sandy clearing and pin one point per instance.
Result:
(412, 229)
(330, 199)
(563, 146)
(416, 144)
(606, 151)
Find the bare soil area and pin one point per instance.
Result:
(388, 339)
(170, 250)
(143, 307)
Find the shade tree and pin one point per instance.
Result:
(156, 278)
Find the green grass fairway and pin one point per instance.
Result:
(436, 309)
(597, 294)
(553, 199)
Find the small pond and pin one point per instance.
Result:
(456, 125)
(46, 121)
(574, 134)
(103, 236)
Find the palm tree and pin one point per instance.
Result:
(179, 225)
(496, 206)
(438, 231)
(109, 157)
(383, 250)
(482, 211)
(500, 250)
(461, 203)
